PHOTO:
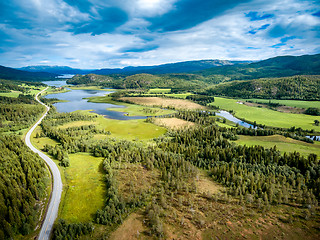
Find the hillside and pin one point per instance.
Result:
(144, 81)
(297, 87)
(179, 67)
(55, 69)
(282, 66)
(14, 74)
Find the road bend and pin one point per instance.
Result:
(52, 210)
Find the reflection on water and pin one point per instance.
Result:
(231, 118)
(75, 101)
(55, 83)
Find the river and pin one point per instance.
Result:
(75, 100)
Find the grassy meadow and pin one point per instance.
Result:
(266, 116)
(290, 103)
(283, 144)
(84, 188)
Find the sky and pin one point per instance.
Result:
(94, 34)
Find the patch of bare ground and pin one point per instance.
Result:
(206, 185)
(132, 228)
(164, 102)
(173, 123)
(285, 109)
(134, 179)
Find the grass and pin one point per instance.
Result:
(159, 90)
(178, 95)
(290, 103)
(84, 188)
(266, 116)
(12, 93)
(283, 144)
(130, 129)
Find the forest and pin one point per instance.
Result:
(23, 182)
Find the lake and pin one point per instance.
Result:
(75, 100)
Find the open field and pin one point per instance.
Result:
(130, 129)
(173, 123)
(178, 95)
(266, 116)
(84, 188)
(159, 90)
(290, 103)
(283, 144)
(164, 102)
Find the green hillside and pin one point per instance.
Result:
(297, 87)
(14, 74)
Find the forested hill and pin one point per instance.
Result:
(143, 81)
(297, 87)
(14, 74)
(282, 66)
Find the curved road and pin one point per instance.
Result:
(53, 207)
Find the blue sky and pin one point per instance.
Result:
(117, 33)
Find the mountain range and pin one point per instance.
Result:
(232, 70)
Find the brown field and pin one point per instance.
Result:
(173, 123)
(163, 102)
(131, 229)
(134, 179)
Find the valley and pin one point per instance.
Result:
(162, 163)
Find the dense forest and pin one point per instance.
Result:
(297, 87)
(23, 181)
(187, 82)
(23, 175)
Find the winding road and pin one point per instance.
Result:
(52, 210)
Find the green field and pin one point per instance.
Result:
(283, 144)
(178, 95)
(84, 188)
(290, 103)
(130, 129)
(266, 116)
(159, 90)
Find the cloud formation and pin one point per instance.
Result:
(118, 33)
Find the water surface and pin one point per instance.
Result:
(75, 100)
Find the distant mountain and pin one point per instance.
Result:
(179, 67)
(273, 67)
(56, 69)
(14, 74)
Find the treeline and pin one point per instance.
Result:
(69, 231)
(201, 99)
(297, 88)
(23, 181)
